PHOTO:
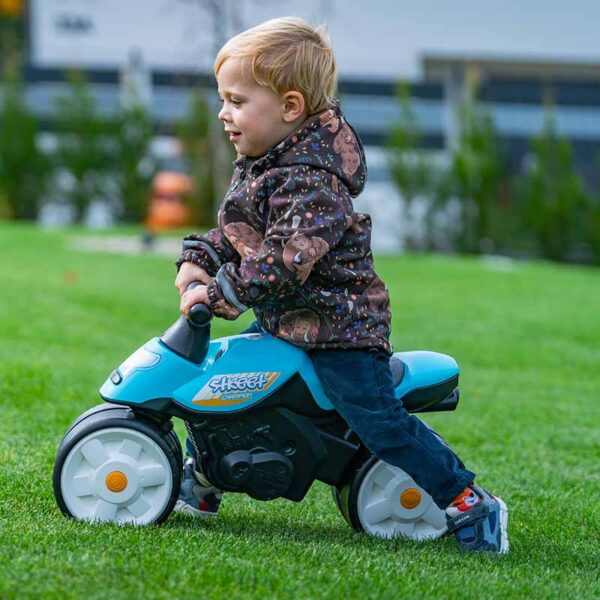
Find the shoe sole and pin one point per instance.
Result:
(185, 509)
(503, 526)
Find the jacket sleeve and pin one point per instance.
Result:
(210, 251)
(308, 215)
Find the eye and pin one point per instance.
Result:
(236, 102)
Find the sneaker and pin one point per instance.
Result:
(478, 521)
(197, 497)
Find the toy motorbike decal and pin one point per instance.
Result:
(234, 388)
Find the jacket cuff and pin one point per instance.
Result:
(198, 257)
(214, 294)
(219, 306)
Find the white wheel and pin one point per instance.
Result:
(389, 503)
(117, 474)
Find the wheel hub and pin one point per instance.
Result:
(408, 502)
(116, 481)
(410, 498)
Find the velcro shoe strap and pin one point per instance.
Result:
(478, 512)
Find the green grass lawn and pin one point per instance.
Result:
(527, 337)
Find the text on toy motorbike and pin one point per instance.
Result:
(237, 383)
(241, 382)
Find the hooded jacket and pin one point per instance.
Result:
(290, 246)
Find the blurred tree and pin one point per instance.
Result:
(553, 197)
(476, 178)
(85, 144)
(133, 167)
(24, 169)
(409, 166)
(196, 134)
(225, 18)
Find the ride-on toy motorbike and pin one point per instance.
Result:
(260, 423)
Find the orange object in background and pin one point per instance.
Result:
(11, 8)
(166, 209)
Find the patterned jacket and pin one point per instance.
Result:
(290, 246)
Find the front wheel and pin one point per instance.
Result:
(383, 500)
(114, 467)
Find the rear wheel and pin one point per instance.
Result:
(112, 466)
(385, 501)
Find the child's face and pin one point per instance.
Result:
(255, 117)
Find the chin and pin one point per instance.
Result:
(250, 151)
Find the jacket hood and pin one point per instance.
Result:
(326, 142)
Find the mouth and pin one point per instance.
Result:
(233, 135)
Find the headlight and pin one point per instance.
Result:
(140, 359)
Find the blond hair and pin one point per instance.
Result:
(287, 54)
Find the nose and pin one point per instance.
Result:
(223, 114)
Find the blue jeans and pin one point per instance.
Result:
(360, 386)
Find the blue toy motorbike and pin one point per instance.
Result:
(259, 422)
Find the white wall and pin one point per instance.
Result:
(380, 39)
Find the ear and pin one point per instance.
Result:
(293, 106)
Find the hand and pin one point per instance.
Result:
(196, 296)
(189, 272)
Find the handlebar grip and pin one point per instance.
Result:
(199, 314)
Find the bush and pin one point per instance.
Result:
(85, 145)
(195, 138)
(464, 199)
(554, 203)
(24, 169)
(133, 167)
(476, 177)
(207, 155)
(409, 166)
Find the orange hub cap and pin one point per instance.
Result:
(116, 481)
(410, 498)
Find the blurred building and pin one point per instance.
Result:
(519, 94)
(177, 39)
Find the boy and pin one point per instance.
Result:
(290, 246)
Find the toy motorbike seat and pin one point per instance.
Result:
(425, 381)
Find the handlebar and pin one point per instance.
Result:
(200, 314)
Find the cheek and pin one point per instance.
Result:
(242, 115)
(252, 126)
(239, 116)
(249, 113)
